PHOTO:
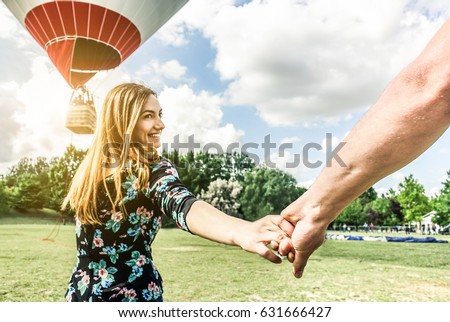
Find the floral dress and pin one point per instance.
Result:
(114, 260)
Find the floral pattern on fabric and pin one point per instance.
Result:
(114, 260)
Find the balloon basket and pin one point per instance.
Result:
(81, 116)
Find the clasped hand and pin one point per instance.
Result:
(287, 234)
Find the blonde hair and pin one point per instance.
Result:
(119, 115)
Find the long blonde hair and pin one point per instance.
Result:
(118, 118)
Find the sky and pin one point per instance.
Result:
(237, 73)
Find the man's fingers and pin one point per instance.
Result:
(286, 226)
(285, 247)
(291, 256)
(274, 245)
(299, 264)
(279, 224)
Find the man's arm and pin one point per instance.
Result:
(412, 113)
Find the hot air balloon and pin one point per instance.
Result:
(84, 37)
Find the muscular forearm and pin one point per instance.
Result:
(409, 117)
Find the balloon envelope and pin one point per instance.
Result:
(84, 37)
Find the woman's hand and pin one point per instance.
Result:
(270, 230)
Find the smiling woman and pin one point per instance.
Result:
(149, 126)
(119, 205)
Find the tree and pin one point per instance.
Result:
(441, 204)
(197, 171)
(413, 200)
(4, 197)
(380, 212)
(385, 210)
(29, 193)
(39, 183)
(368, 196)
(27, 183)
(61, 172)
(353, 214)
(26, 166)
(359, 211)
(224, 195)
(237, 164)
(266, 191)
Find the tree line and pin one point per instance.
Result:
(230, 182)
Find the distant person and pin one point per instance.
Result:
(119, 195)
(433, 229)
(411, 114)
(366, 227)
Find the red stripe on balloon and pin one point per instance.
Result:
(60, 21)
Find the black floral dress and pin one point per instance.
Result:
(115, 259)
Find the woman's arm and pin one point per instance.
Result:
(208, 222)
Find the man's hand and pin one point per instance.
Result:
(306, 238)
(272, 229)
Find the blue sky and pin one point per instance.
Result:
(236, 71)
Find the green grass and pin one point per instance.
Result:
(37, 259)
(41, 216)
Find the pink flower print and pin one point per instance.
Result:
(148, 214)
(135, 185)
(98, 242)
(116, 216)
(141, 261)
(130, 294)
(143, 212)
(153, 287)
(85, 280)
(169, 171)
(140, 210)
(103, 273)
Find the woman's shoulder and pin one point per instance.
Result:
(164, 166)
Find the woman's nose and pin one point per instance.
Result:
(160, 124)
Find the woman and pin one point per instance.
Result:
(119, 194)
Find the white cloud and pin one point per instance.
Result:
(43, 118)
(196, 14)
(10, 108)
(305, 60)
(10, 28)
(199, 114)
(162, 74)
(288, 162)
(292, 139)
(171, 69)
(381, 190)
(398, 175)
(433, 192)
(329, 143)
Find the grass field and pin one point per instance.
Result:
(37, 259)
